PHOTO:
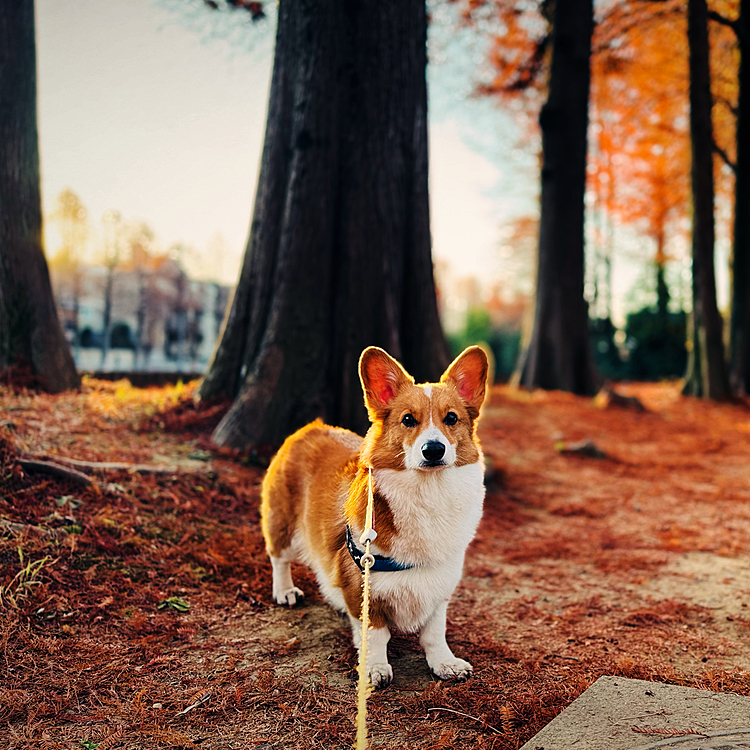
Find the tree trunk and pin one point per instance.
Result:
(140, 317)
(558, 354)
(107, 316)
(338, 256)
(30, 330)
(707, 372)
(739, 336)
(662, 290)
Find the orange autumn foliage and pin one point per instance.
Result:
(639, 161)
(640, 111)
(639, 141)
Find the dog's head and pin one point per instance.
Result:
(423, 427)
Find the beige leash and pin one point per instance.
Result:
(367, 561)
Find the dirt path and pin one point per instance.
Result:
(635, 563)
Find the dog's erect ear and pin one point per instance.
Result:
(382, 378)
(468, 372)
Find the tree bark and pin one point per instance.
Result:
(739, 333)
(558, 354)
(338, 256)
(30, 330)
(707, 372)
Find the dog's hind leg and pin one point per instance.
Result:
(278, 523)
(284, 590)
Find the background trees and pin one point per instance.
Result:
(643, 147)
(638, 169)
(637, 161)
(30, 331)
(639, 166)
(667, 101)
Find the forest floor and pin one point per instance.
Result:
(135, 609)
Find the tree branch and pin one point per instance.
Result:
(616, 25)
(255, 8)
(723, 100)
(724, 157)
(723, 20)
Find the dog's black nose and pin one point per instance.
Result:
(433, 451)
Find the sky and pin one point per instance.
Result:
(156, 108)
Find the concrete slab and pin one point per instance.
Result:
(617, 713)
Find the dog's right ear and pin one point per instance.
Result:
(382, 378)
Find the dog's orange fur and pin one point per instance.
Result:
(317, 483)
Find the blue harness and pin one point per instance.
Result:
(382, 564)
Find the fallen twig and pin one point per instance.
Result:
(8, 527)
(202, 697)
(669, 732)
(647, 715)
(468, 716)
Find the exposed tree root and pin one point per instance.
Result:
(35, 466)
(82, 468)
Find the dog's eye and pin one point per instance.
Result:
(451, 418)
(409, 421)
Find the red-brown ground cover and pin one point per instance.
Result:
(135, 611)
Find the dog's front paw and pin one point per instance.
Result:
(289, 597)
(380, 675)
(453, 669)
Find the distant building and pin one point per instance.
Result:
(145, 315)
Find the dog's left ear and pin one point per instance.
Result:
(468, 372)
(382, 378)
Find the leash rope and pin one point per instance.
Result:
(367, 561)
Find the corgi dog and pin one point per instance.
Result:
(427, 471)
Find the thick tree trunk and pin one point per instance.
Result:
(558, 354)
(30, 331)
(338, 256)
(707, 371)
(739, 337)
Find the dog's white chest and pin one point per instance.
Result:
(436, 516)
(436, 513)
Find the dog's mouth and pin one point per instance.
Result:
(436, 464)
